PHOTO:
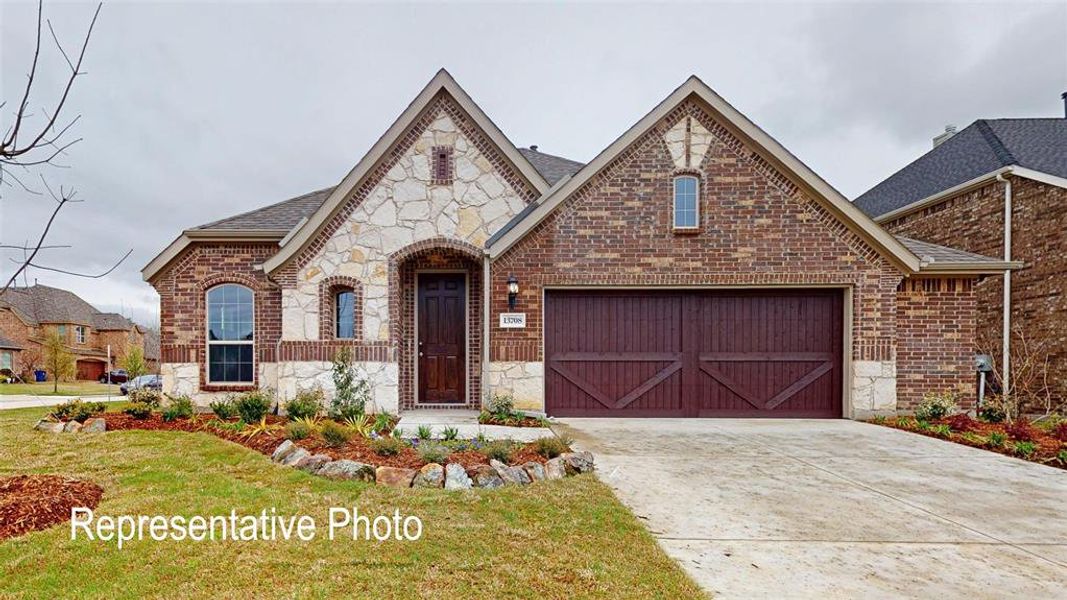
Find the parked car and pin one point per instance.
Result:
(147, 382)
(116, 376)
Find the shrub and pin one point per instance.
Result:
(942, 430)
(351, 391)
(387, 446)
(138, 410)
(434, 453)
(152, 398)
(499, 449)
(936, 406)
(992, 413)
(382, 422)
(961, 423)
(449, 434)
(550, 447)
(1025, 449)
(997, 439)
(361, 426)
(1060, 431)
(77, 410)
(254, 405)
(335, 434)
(1062, 457)
(298, 430)
(179, 408)
(307, 403)
(224, 409)
(1021, 429)
(425, 432)
(501, 404)
(251, 430)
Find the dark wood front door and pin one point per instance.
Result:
(694, 353)
(442, 344)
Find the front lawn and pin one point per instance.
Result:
(74, 388)
(566, 538)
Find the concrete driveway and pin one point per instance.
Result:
(818, 509)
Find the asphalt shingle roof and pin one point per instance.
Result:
(552, 168)
(281, 216)
(933, 253)
(43, 304)
(7, 344)
(984, 146)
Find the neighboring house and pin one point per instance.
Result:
(693, 268)
(27, 314)
(956, 195)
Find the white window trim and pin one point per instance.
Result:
(80, 334)
(674, 202)
(337, 313)
(209, 342)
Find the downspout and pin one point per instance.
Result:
(486, 295)
(1006, 332)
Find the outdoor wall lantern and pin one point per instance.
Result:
(513, 291)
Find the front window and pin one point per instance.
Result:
(345, 314)
(686, 195)
(62, 331)
(6, 361)
(79, 334)
(230, 338)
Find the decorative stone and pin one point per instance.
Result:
(312, 463)
(295, 457)
(554, 469)
(577, 462)
(430, 476)
(535, 470)
(48, 426)
(487, 477)
(510, 475)
(456, 478)
(284, 449)
(395, 476)
(94, 426)
(347, 469)
(356, 255)
(71, 427)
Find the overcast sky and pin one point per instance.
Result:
(192, 112)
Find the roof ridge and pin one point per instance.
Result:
(999, 149)
(255, 210)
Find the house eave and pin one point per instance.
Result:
(969, 268)
(189, 236)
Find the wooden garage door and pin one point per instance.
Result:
(694, 353)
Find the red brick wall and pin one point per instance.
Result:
(757, 227)
(14, 329)
(182, 287)
(975, 221)
(935, 336)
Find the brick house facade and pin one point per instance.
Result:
(966, 209)
(431, 228)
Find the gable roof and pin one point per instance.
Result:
(281, 216)
(746, 129)
(936, 258)
(39, 304)
(975, 153)
(442, 82)
(6, 344)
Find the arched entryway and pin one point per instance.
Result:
(436, 294)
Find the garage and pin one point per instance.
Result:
(694, 353)
(90, 370)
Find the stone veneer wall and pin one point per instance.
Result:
(524, 381)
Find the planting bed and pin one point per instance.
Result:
(34, 502)
(1021, 439)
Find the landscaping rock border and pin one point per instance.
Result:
(95, 425)
(450, 477)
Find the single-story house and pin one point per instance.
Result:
(693, 268)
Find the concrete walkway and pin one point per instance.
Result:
(28, 401)
(835, 509)
(466, 424)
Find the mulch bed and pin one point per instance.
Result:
(34, 502)
(1047, 451)
(491, 419)
(357, 449)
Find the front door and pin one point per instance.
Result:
(442, 344)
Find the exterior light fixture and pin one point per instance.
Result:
(513, 291)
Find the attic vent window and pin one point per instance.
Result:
(442, 165)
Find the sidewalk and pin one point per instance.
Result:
(28, 401)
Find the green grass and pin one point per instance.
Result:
(74, 388)
(568, 538)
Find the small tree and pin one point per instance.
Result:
(57, 359)
(134, 363)
(351, 392)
